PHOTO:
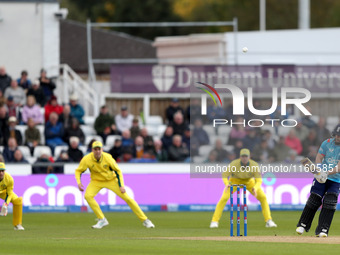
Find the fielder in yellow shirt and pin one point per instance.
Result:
(105, 173)
(7, 194)
(243, 171)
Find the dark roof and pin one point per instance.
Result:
(30, 1)
(106, 44)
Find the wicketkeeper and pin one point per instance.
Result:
(243, 171)
(325, 187)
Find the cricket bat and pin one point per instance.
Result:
(309, 165)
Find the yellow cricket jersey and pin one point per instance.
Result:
(6, 187)
(242, 173)
(104, 169)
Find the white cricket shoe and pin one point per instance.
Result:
(270, 224)
(214, 224)
(300, 230)
(322, 234)
(19, 227)
(148, 224)
(101, 223)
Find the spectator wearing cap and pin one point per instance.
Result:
(19, 158)
(5, 79)
(172, 109)
(44, 163)
(12, 132)
(24, 82)
(32, 135)
(73, 151)
(37, 92)
(9, 149)
(12, 109)
(54, 132)
(124, 119)
(104, 123)
(18, 93)
(32, 110)
(135, 129)
(74, 131)
(46, 84)
(52, 106)
(77, 110)
(179, 125)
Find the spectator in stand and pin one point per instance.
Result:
(301, 130)
(12, 131)
(138, 147)
(321, 130)
(5, 79)
(61, 160)
(65, 117)
(280, 151)
(19, 158)
(167, 137)
(178, 152)
(135, 130)
(32, 135)
(77, 110)
(161, 154)
(291, 159)
(212, 158)
(52, 106)
(24, 82)
(3, 124)
(186, 139)
(193, 111)
(310, 144)
(172, 109)
(200, 133)
(43, 164)
(237, 132)
(179, 125)
(270, 140)
(9, 150)
(116, 150)
(46, 84)
(127, 155)
(123, 120)
(127, 141)
(148, 139)
(2, 99)
(74, 130)
(54, 132)
(38, 93)
(18, 94)
(238, 147)
(293, 142)
(307, 121)
(261, 152)
(12, 109)
(215, 112)
(103, 123)
(251, 139)
(73, 151)
(32, 110)
(222, 155)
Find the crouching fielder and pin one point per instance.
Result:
(7, 194)
(243, 171)
(324, 191)
(105, 173)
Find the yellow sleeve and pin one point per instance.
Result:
(227, 174)
(81, 169)
(9, 190)
(114, 167)
(257, 176)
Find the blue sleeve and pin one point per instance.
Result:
(323, 148)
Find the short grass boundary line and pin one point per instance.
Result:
(268, 239)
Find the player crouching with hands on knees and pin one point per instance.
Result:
(7, 194)
(105, 173)
(325, 187)
(243, 171)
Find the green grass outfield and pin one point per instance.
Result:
(71, 233)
